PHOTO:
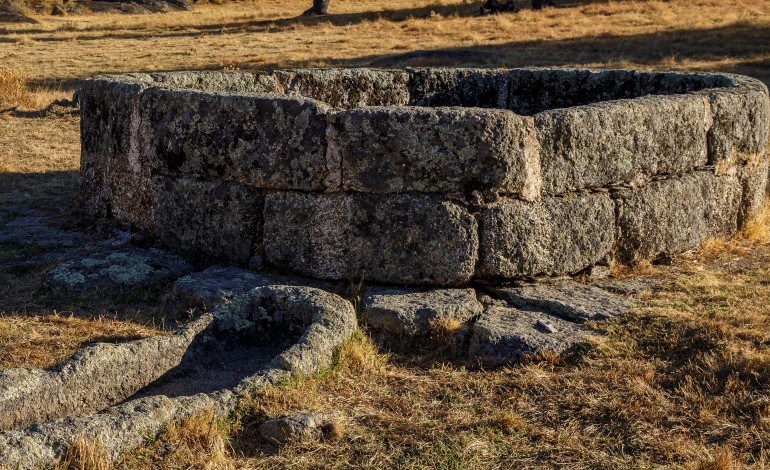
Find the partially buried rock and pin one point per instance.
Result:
(297, 427)
(118, 270)
(505, 336)
(405, 314)
(570, 300)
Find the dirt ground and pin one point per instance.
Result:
(683, 382)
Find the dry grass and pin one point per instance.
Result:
(687, 34)
(13, 88)
(683, 382)
(84, 455)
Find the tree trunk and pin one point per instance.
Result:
(319, 7)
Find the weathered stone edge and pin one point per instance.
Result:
(123, 427)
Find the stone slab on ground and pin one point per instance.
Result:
(550, 237)
(217, 284)
(406, 314)
(567, 299)
(398, 238)
(118, 270)
(505, 335)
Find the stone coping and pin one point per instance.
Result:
(431, 176)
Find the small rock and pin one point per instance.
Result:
(568, 299)
(399, 314)
(56, 10)
(117, 270)
(296, 427)
(505, 335)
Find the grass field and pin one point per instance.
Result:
(682, 382)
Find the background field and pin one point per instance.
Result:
(682, 382)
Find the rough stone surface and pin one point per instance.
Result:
(452, 150)
(676, 215)
(265, 141)
(620, 142)
(486, 140)
(107, 115)
(285, 429)
(557, 235)
(324, 319)
(505, 336)
(117, 270)
(480, 88)
(88, 383)
(78, 385)
(218, 284)
(221, 81)
(208, 218)
(740, 122)
(404, 314)
(568, 300)
(379, 238)
(348, 88)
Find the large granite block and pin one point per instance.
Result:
(404, 238)
(554, 236)
(621, 141)
(107, 120)
(452, 150)
(263, 141)
(741, 118)
(348, 88)
(481, 88)
(532, 91)
(676, 214)
(209, 218)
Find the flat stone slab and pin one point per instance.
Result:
(217, 284)
(116, 270)
(567, 299)
(406, 314)
(504, 336)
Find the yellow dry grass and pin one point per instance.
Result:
(687, 34)
(683, 382)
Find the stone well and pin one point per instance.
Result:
(434, 176)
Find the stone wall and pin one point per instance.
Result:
(432, 176)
